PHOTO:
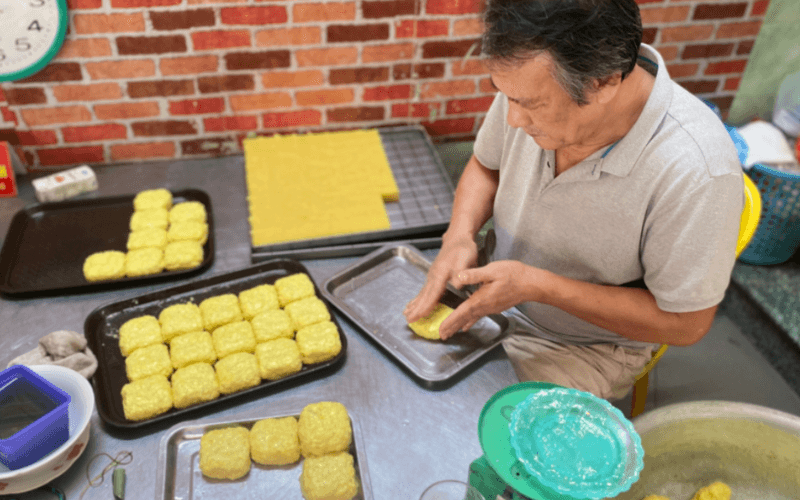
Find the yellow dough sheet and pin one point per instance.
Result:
(317, 185)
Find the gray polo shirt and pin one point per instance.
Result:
(663, 205)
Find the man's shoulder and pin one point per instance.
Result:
(692, 134)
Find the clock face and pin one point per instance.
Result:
(32, 33)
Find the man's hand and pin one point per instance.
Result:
(502, 286)
(455, 257)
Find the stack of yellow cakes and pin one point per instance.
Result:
(316, 185)
(162, 236)
(191, 354)
(322, 435)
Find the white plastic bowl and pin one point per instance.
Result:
(58, 461)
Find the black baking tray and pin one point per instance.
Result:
(47, 243)
(102, 334)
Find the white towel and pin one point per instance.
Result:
(63, 348)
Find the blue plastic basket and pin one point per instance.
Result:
(777, 237)
(22, 393)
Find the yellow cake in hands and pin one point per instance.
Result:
(428, 327)
(274, 441)
(152, 198)
(139, 332)
(107, 265)
(145, 398)
(225, 453)
(714, 491)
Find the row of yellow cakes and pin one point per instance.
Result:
(162, 236)
(193, 353)
(322, 435)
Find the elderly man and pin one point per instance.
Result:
(600, 173)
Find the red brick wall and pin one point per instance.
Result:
(161, 79)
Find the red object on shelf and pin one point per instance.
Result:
(8, 184)
(797, 148)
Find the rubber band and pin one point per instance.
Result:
(115, 461)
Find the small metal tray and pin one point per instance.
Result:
(102, 334)
(179, 475)
(47, 243)
(373, 293)
(424, 207)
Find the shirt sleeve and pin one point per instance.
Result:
(488, 147)
(689, 242)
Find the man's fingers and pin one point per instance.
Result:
(424, 303)
(472, 276)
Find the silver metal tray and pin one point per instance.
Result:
(373, 293)
(179, 477)
(425, 205)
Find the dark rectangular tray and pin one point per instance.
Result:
(102, 334)
(47, 243)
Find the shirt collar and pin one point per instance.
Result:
(620, 160)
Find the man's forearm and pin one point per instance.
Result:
(474, 200)
(630, 312)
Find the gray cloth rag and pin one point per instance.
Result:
(63, 348)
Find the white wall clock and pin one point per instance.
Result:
(31, 34)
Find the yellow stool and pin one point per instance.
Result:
(747, 227)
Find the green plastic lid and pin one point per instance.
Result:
(495, 439)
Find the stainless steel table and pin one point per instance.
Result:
(413, 436)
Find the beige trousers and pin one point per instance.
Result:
(606, 370)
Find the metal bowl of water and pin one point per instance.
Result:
(753, 449)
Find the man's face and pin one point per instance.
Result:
(539, 106)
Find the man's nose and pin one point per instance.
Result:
(517, 118)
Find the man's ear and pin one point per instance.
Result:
(605, 89)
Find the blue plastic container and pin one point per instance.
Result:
(34, 417)
(777, 237)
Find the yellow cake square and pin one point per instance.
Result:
(324, 428)
(307, 311)
(225, 453)
(147, 361)
(195, 383)
(233, 337)
(271, 325)
(294, 287)
(183, 255)
(278, 358)
(319, 342)
(144, 262)
(258, 299)
(188, 230)
(220, 310)
(329, 477)
(147, 397)
(109, 265)
(274, 441)
(152, 198)
(237, 372)
(139, 332)
(147, 238)
(190, 348)
(188, 211)
(154, 218)
(178, 319)
(428, 327)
